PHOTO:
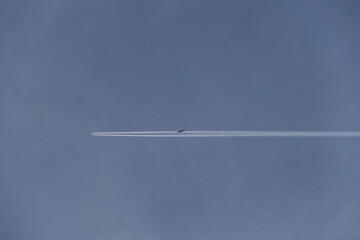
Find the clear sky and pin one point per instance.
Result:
(69, 67)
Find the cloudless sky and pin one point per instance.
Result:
(69, 67)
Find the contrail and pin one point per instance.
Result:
(175, 134)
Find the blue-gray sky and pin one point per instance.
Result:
(68, 67)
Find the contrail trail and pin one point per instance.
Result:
(175, 134)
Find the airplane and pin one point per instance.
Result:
(180, 131)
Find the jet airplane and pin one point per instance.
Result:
(180, 131)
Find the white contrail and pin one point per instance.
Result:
(144, 132)
(228, 134)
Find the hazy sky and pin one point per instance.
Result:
(68, 67)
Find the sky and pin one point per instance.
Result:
(69, 67)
